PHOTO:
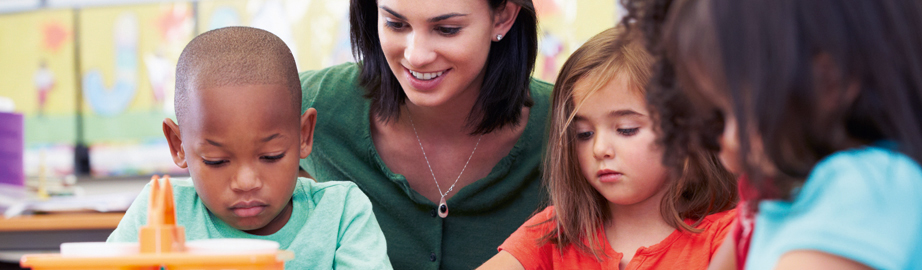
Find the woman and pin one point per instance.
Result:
(439, 124)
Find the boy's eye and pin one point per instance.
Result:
(214, 163)
(396, 26)
(447, 31)
(582, 136)
(273, 158)
(628, 131)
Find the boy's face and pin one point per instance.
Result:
(242, 144)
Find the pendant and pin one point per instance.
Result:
(443, 208)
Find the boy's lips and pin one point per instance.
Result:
(248, 208)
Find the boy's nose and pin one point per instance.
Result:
(245, 180)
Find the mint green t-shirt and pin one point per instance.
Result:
(481, 215)
(331, 225)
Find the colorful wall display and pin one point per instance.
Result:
(127, 66)
(120, 81)
(38, 62)
(564, 25)
(317, 32)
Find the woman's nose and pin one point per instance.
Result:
(419, 51)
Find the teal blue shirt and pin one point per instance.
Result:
(482, 214)
(861, 204)
(331, 225)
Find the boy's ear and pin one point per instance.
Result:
(503, 18)
(308, 121)
(171, 131)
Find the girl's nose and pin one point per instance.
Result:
(602, 148)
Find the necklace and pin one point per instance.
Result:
(443, 207)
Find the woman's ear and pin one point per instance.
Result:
(173, 138)
(503, 18)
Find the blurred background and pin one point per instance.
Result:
(93, 79)
(86, 84)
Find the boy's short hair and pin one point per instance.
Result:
(235, 56)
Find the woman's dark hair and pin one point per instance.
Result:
(810, 77)
(505, 88)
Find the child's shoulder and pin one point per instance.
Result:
(866, 166)
(718, 221)
(338, 191)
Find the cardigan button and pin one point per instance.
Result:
(434, 213)
(432, 257)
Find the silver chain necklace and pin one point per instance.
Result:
(443, 207)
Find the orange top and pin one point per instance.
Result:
(680, 250)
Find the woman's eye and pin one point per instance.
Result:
(448, 31)
(582, 136)
(395, 25)
(214, 163)
(273, 158)
(628, 131)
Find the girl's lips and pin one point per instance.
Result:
(424, 85)
(608, 176)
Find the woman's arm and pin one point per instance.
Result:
(502, 260)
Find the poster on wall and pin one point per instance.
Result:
(128, 58)
(317, 32)
(38, 75)
(564, 25)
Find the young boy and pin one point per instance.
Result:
(238, 101)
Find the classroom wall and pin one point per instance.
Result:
(100, 73)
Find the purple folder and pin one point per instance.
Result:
(11, 149)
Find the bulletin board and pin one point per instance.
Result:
(38, 75)
(128, 57)
(317, 32)
(564, 25)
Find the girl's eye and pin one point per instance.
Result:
(582, 136)
(448, 31)
(214, 163)
(628, 131)
(273, 158)
(396, 26)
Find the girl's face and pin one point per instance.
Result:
(436, 49)
(616, 144)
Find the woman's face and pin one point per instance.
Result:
(437, 49)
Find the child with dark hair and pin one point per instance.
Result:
(822, 108)
(241, 134)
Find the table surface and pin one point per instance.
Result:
(61, 221)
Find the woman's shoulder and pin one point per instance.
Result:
(338, 82)
(345, 71)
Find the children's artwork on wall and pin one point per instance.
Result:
(38, 75)
(317, 32)
(128, 58)
(564, 25)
